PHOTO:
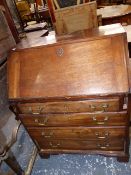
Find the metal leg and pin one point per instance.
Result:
(13, 164)
(31, 161)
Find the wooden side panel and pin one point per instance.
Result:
(14, 76)
(120, 60)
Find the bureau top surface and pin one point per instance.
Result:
(90, 34)
(75, 67)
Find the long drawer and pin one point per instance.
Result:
(110, 145)
(71, 106)
(76, 119)
(76, 133)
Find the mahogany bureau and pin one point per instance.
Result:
(72, 95)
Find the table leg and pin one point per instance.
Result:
(13, 164)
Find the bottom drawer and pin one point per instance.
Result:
(106, 145)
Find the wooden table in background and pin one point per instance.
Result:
(115, 14)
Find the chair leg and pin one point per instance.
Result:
(13, 164)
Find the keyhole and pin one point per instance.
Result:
(60, 52)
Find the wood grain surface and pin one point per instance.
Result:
(70, 69)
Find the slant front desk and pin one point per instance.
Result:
(72, 96)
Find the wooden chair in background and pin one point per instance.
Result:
(74, 18)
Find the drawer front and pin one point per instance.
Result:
(70, 106)
(110, 145)
(76, 133)
(76, 119)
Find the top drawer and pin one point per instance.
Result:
(71, 106)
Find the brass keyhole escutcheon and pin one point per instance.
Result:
(60, 52)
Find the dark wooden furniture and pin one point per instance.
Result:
(10, 21)
(128, 2)
(110, 2)
(72, 96)
(42, 15)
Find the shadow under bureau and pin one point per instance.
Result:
(72, 95)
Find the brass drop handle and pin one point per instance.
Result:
(105, 106)
(93, 107)
(100, 136)
(47, 136)
(100, 122)
(69, 118)
(54, 146)
(66, 107)
(41, 123)
(103, 146)
(40, 108)
(30, 110)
